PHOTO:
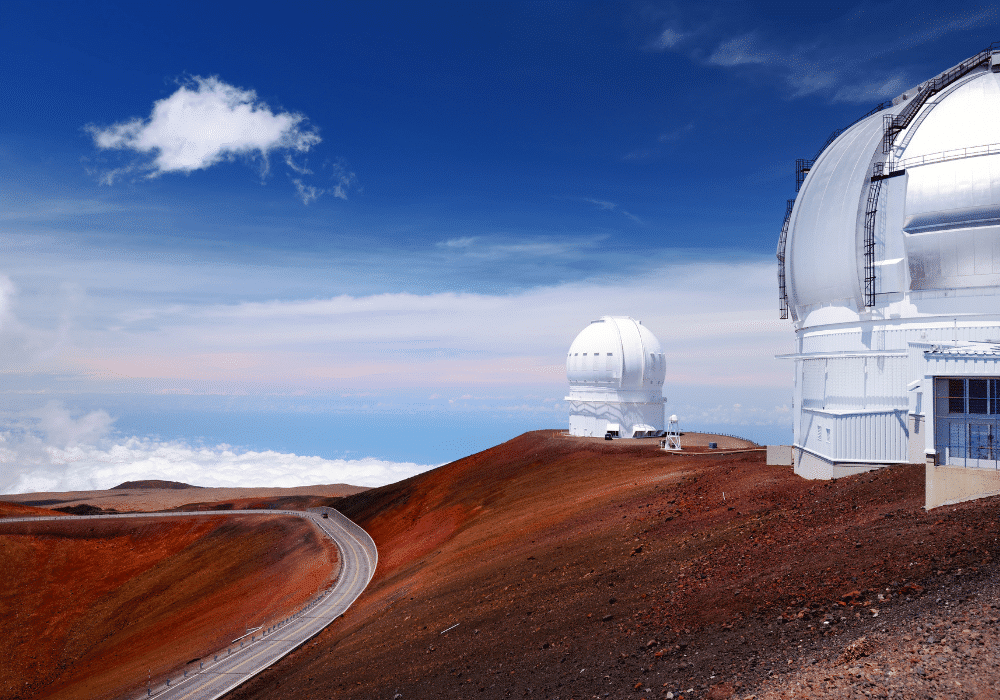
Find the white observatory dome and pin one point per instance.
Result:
(889, 257)
(949, 179)
(616, 369)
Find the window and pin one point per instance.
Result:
(956, 396)
(976, 396)
(610, 362)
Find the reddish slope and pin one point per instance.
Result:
(16, 510)
(88, 606)
(578, 567)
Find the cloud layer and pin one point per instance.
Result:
(51, 450)
(719, 321)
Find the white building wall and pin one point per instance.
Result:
(591, 418)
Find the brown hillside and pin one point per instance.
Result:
(578, 568)
(16, 510)
(87, 607)
(121, 499)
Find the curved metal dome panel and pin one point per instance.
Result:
(616, 352)
(822, 249)
(953, 177)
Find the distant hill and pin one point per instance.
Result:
(153, 484)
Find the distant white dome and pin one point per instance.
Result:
(616, 369)
(616, 352)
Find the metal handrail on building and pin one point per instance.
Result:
(893, 124)
(943, 156)
(973, 457)
(782, 243)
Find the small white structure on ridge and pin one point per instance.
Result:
(673, 441)
(616, 369)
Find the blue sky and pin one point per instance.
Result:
(340, 231)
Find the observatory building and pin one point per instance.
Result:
(889, 266)
(615, 369)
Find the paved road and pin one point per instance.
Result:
(220, 673)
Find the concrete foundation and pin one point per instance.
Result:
(945, 484)
(811, 466)
(779, 456)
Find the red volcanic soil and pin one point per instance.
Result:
(16, 510)
(88, 607)
(556, 567)
(129, 498)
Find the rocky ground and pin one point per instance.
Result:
(145, 497)
(943, 645)
(560, 568)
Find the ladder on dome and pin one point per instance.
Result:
(782, 241)
(893, 125)
(871, 209)
(804, 165)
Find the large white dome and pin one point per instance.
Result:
(616, 369)
(890, 270)
(948, 165)
(616, 352)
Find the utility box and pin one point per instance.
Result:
(779, 455)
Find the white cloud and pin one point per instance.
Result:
(669, 39)
(205, 122)
(60, 429)
(497, 249)
(840, 59)
(23, 346)
(872, 91)
(307, 193)
(601, 204)
(50, 450)
(743, 50)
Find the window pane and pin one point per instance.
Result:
(977, 395)
(981, 441)
(994, 396)
(956, 396)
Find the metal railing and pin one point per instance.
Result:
(782, 243)
(970, 456)
(892, 125)
(804, 165)
(943, 156)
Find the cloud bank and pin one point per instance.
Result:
(51, 450)
(718, 320)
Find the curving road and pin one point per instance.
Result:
(251, 655)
